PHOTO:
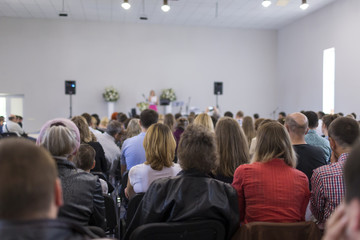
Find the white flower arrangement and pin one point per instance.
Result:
(142, 106)
(111, 94)
(168, 94)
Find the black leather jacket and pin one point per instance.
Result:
(46, 229)
(190, 195)
(83, 200)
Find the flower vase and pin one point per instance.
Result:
(110, 108)
(168, 108)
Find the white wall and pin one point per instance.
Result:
(300, 58)
(38, 55)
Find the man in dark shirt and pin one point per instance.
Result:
(309, 157)
(30, 195)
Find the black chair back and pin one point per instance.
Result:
(110, 213)
(132, 206)
(194, 230)
(8, 134)
(124, 179)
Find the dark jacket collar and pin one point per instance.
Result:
(193, 173)
(63, 162)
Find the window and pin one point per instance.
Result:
(329, 80)
(11, 104)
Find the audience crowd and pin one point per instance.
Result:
(234, 169)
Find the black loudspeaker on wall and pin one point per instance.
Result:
(70, 87)
(218, 88)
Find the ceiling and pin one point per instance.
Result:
(230, 13)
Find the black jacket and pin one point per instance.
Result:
(83, 200)
(190, 195)
(46, 229)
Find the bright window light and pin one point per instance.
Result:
(329, 80)
(3, 106)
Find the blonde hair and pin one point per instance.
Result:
(205, 120)
(104, 121)
(159, 145)
(232, 146)
(85, 134)
(249, 128)
(273, 141)
(133, 128)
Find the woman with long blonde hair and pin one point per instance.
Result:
(270, 189)
(159, 145)
(232, 148)
(205, 120)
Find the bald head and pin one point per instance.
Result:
(297, 124)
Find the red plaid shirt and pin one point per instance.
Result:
(328, 189)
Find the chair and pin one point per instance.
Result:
(278, 231)
(110, 213)
(102, 176)
(8, 134)
(124, 179)
(194, 230)
(132, 206)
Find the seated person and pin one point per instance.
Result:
(270, 189)
(344, 222)
(159, 145)
(30, 195)
(232, 148)
(191, 194)
(85, 160)
(83, 200)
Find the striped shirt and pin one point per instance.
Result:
(328, 189)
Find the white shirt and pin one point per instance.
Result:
(142, 175)
(319, 128)
(14, 127)
(96, 132)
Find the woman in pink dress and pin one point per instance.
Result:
(153, 100)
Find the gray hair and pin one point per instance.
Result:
(113, 128)
(59, 140)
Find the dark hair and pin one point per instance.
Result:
(121, 117)
(228, 114)
(197, 149)
(256, 116)
(87, 118)
(341, 114)
(214, 120)
(169, 120)
(2, 118)
(354, 114)
(182, 123)
(282, 114)
(148, 117)
(27, 177)
(85, 157)
(313, 119)
(320, 114)
(177, 115)
(351, 174)
(345, 131)
(97, 118)
(328, 119)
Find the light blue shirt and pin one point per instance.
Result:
(314, 139)
(133, 152)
